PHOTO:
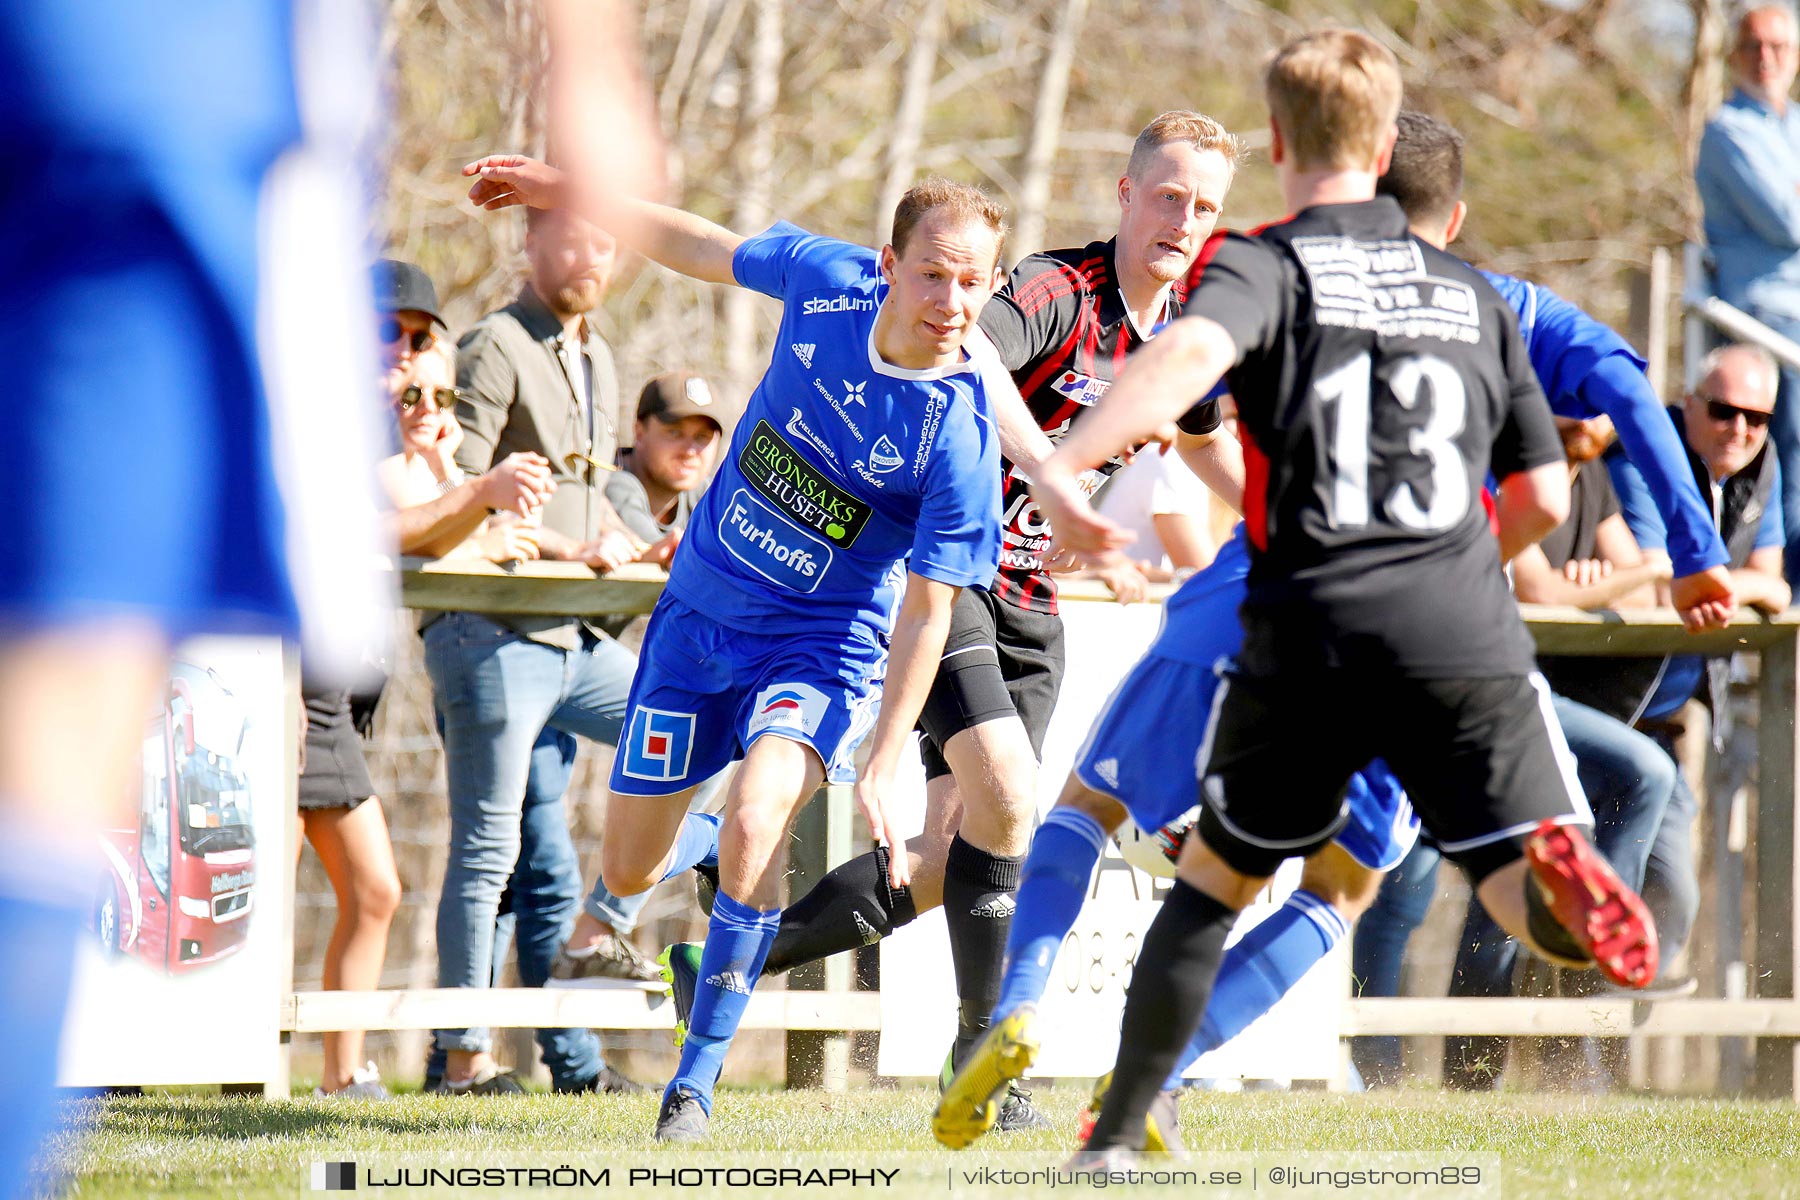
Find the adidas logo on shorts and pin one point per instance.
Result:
(731, 981)
(997, 908)
(1108, 770)
(804, 352)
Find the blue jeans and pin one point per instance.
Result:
(1632, 785)
(1379, 947)
(496, 694)
(1672, 877)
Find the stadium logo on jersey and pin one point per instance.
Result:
(884, 456)
(799, 428)
(804, 352)
(797, 706)
(1082, 389)
(658, 745)
(843, 302)
(797, 489)
(771, 545)
(853, 393)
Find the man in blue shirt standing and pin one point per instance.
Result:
(1748, 176)
(859, 494)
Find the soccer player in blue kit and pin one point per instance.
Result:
(868, 455)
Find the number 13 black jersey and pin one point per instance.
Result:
(1378, 382)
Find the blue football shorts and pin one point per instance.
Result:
(1143, 752)
(704, 691)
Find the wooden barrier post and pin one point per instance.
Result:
(821, 842)
(1779, 754)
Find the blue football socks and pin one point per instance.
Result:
(1260, 968)
(737, 941)
(697, 845)
(1054, 886)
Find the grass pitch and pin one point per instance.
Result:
(1548, 1146)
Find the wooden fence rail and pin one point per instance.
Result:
(1772, 1014)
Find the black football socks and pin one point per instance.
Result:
(1170, 985)
(852, 906)
(979, 899)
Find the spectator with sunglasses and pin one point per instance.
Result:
(437, 506)
(1724, 428)
(434, 510)
(406, 304)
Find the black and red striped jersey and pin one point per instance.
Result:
(1062, 328)
(1378, 382)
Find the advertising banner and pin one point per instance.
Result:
(180, 977)
(1080, 1014)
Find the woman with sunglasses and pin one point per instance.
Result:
(436, 511)
(436, 508)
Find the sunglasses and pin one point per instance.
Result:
(443, 399)
(1725, 413)
(392, 331)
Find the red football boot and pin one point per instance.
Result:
(1589, 899)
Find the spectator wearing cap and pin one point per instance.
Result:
(679, 427)
(406, 303)
(514, 692)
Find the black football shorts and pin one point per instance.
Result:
(999, 660)
(1483, 761)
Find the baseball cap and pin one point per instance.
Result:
(400, 286)
(679, 394)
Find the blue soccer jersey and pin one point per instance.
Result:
(1586, 369)
(843, 465)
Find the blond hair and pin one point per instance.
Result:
(965, 202)
(1333, 95)
(1179, 125)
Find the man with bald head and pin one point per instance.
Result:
(1748, 175)
(1725, 424)
(1725, 427)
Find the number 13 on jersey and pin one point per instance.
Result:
(1420, 382)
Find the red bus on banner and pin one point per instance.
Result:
(177, 890)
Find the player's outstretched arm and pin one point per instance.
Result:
(1156, 386)
(920, 628)
(1531, 504)
(684, 243)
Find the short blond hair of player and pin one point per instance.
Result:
(1333, 96)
